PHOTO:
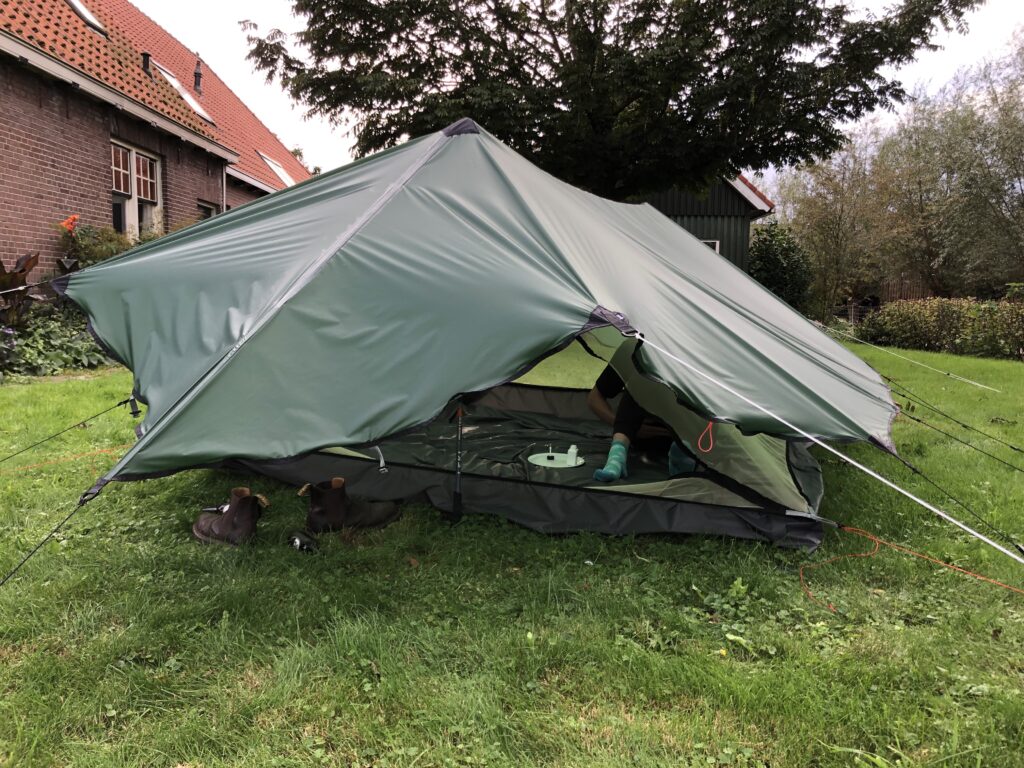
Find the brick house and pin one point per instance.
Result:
(103, 113)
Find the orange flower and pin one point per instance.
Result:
(70, 223)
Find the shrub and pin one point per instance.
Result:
(53, 339)
(6, 348)
(780, 264)
(87, 245)
(960, 326)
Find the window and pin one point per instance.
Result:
(135, 183)
(145, 175)
(713, 245)
(206, 210)
(188, 97)
(87, 16)
(121, 167)
(277, 168)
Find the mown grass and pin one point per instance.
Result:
(124, 643)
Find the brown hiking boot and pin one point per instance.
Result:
(235, 526)
(331, 509)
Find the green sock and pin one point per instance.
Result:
(615, 467)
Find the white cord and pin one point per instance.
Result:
(867, 470)
(909, 360)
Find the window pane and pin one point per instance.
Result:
(145, 177)
(120, 167)
(119, 223)
(147, 220)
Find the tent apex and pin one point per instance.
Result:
(459, 127)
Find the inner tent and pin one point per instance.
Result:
(749, 486)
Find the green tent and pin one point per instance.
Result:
(330, 328)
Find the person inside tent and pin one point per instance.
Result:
(632, 426)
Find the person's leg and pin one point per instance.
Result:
(680, 462)
(628, 419)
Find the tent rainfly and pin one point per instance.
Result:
(331, 328)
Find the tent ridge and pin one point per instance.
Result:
(463, 126)
(270, 311)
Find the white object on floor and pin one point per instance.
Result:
(557, 460)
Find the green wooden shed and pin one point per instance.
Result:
(720, 217)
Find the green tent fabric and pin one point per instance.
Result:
(356, 305)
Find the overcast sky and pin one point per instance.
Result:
(211, 28)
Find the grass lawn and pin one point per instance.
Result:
(125, 643)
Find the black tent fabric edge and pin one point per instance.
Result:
(547, 508)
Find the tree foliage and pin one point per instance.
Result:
(832, 210)
(937, 199)
(621, 97)
(780, 263)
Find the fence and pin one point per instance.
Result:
(890, 289)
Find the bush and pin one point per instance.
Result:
(88, 245)
(780, 264)
(53, 339)
(6, 348)
(959, 326)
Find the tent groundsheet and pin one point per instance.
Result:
(506, 425)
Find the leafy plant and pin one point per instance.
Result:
(53, 339)
(7, 346)
(84, 244)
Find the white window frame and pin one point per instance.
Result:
(183, 92)
(714, 245)
(87, 16)
(130, 203)
(278, 169)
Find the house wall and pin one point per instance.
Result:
(731, 232)
(719, 214)
(188, 173)
(240, 194)
(55, 161)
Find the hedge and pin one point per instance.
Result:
(959, 326)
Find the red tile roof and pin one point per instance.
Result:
(116, 60)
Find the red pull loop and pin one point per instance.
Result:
(709, 434)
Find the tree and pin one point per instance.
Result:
(949, 179)
(914, 183)
(780, 264)
(621, 97)
(833, 210)
(983, 121)
(299, 155)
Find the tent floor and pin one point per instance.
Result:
(499, 479)
(498, 443)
